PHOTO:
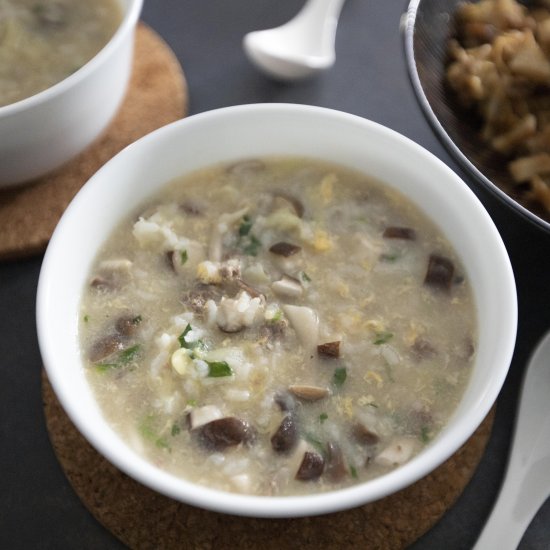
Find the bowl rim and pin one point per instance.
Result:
(128, 22)
(408, 31)
(262, 506)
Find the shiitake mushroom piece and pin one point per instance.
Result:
(282, 198)
(364, 435)
(311, 467)
(105, 347)
(439, 274)
(286, 436)
(395, 232)
(128, 325)
(335, 469)
(284, 249)
(225, 432)
(329, 349)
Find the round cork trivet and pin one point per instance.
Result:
(157, 95)
(142, 518)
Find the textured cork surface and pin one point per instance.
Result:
(157, 95)
(143, 519)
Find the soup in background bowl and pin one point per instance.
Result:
(376, 163)
(79, 75)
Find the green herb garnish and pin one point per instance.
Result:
(198, 344)
(383, 338)
(389, 257)
(339, 377)
(183, 257)
(218, 369)
(245, 227)
(148, 432)
(86, 318)
(175, 430)
(353, 472)
(425, 434)
(323, 417)
(254, 244)
(305, 277)
(123, 358)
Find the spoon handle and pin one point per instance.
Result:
(527, 482)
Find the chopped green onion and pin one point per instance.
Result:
(183, 257)
(383, 338)
(217, 369)
(323, 417)
(175, 430)
(339, 377)
(123, 358)
(425, 434)
(245, 227)
(251, 249)
(353, 472)
(305, 277)
(86, 318)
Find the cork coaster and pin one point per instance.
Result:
(142, 518)
(157, 95)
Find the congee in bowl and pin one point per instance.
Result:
(44, 41)
(276, 310)
(278, 327)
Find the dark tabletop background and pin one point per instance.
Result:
(38, 508)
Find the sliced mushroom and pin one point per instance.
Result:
(288, 287)
(306, 324)
(193, 207)
(284, 200)
(364, 435)
(422, 349)
(440, 272)
(397, 452)
(104, 347)
(308, 393)
(405, 233)
(286, 436)
(311, 468)
(284, 249)
(111, 274)
(128, 325)
(225, 432)
(329, 349)
(336, 468)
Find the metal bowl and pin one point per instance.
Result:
(427, 28)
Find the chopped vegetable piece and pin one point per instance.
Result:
(183, 257)
(218, 369)
(311, 467)
(364, 435)
(245, 227)
(253, 246)
(335, 469)
(440, 273)
(286, 436)
(339, 377)
(285, 249)
(175, 430)
(405, 233)
(305, 277)
(323, 417)
(353, 472)
(123, 358)
(383, 338)
(329, 349)
(308, 393)
(225, 432)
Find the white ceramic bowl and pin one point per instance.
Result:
(261, 130)
(41, 132)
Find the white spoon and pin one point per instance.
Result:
(299, 48)
(527, 481)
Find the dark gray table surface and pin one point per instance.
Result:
(38, 508)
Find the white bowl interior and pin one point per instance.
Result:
(264, 130)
